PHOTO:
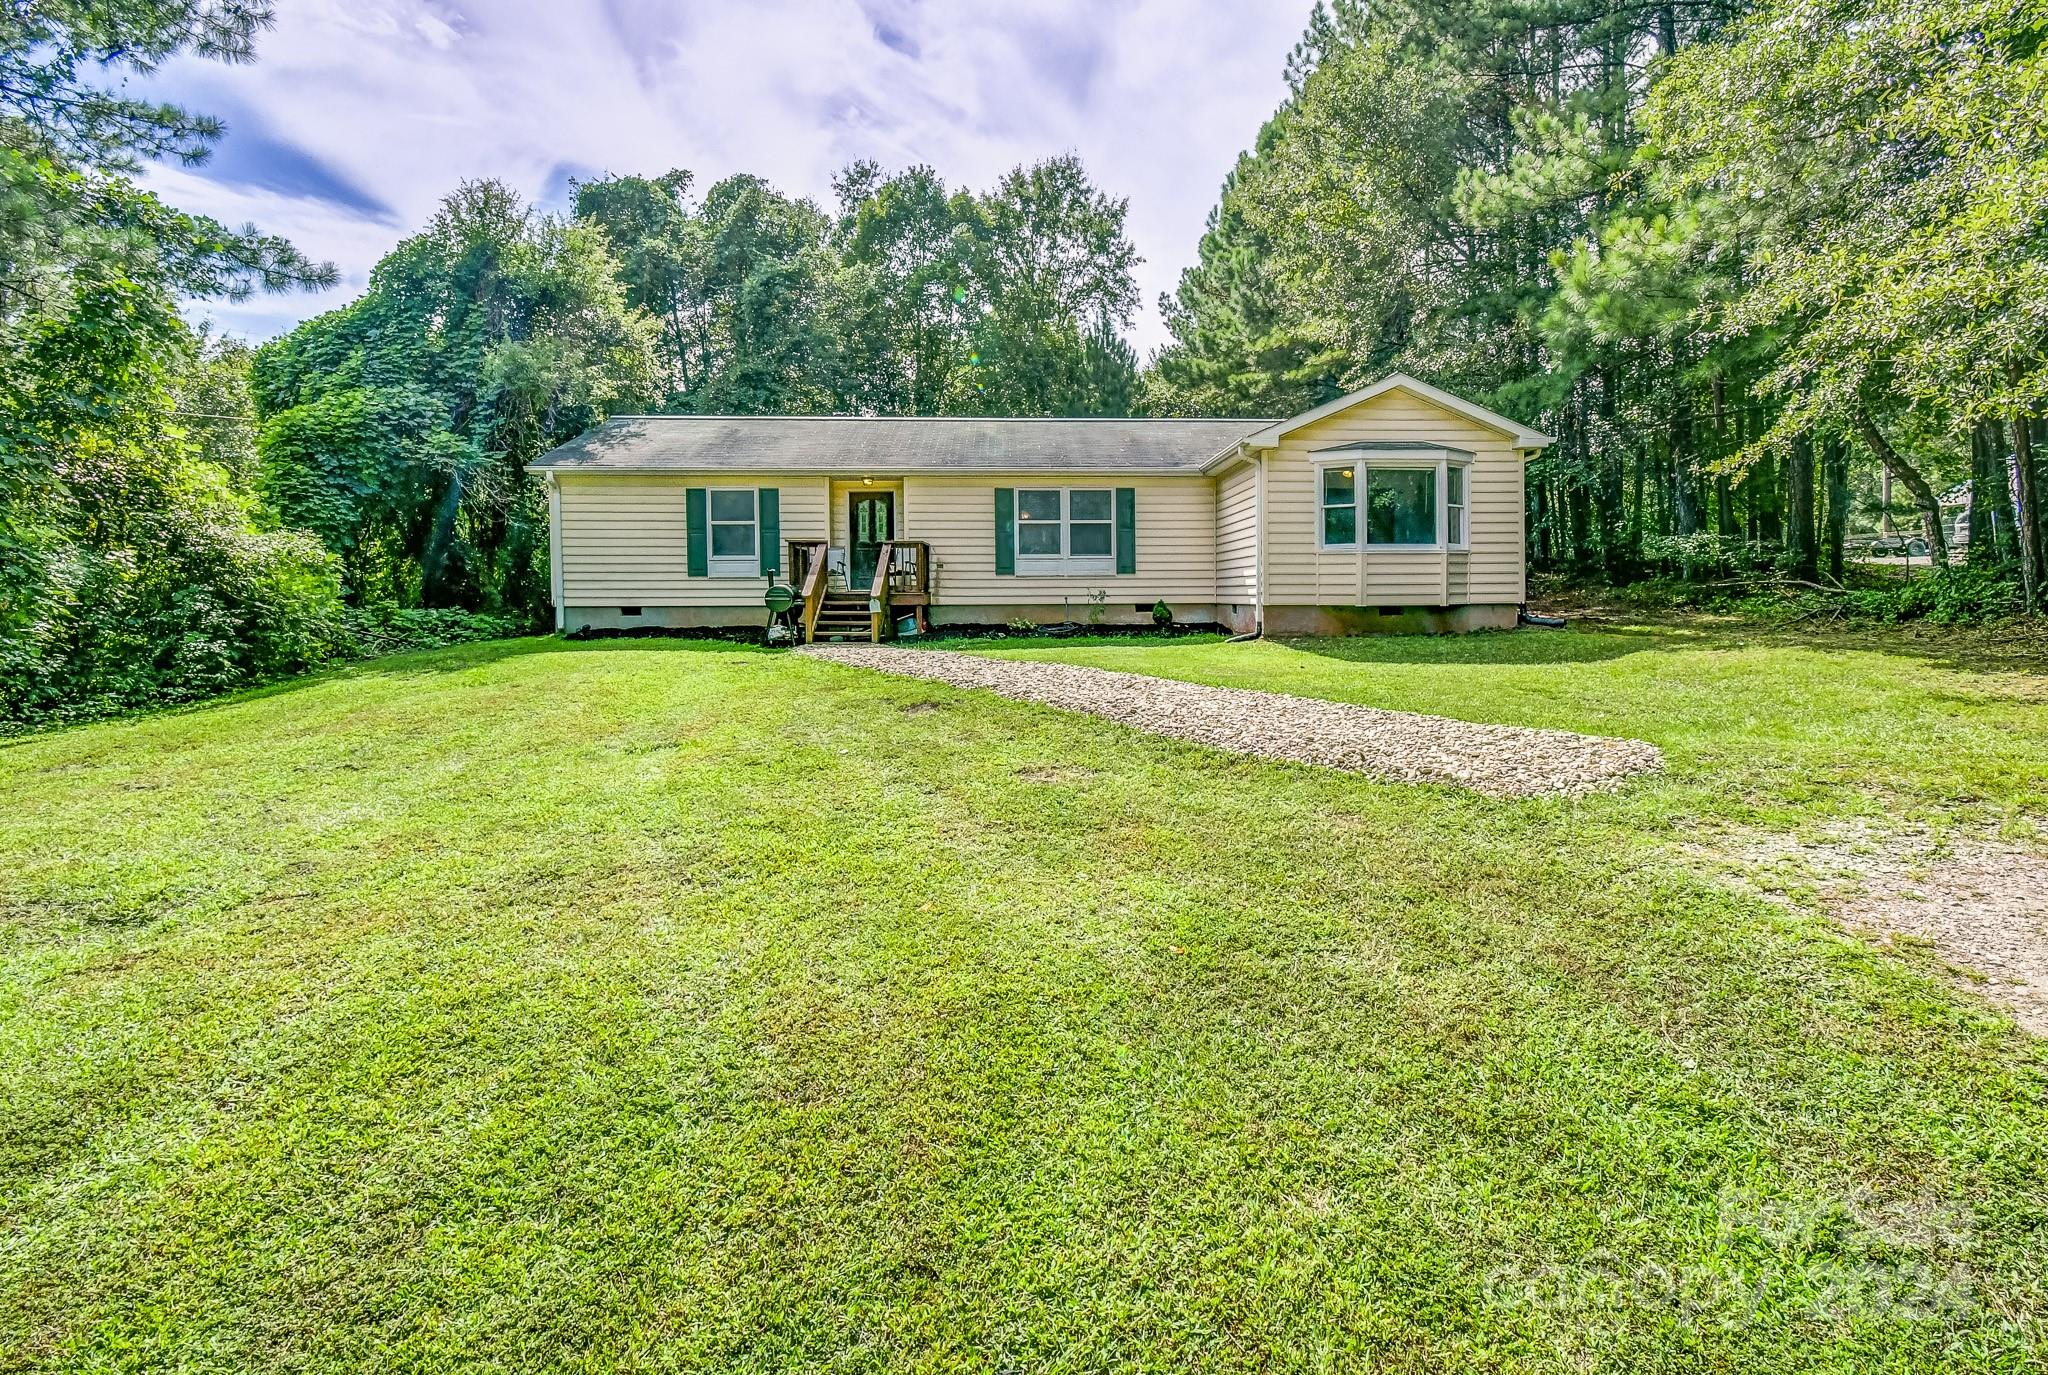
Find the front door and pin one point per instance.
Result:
(871, 521)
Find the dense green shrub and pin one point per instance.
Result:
(1962, 595)
(195, 602)
(373, 631)
(1945, 596)
(1707, 556)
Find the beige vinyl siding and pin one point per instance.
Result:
(623, 539)
(1299, 572)
(1176, 535)
(1237, 536)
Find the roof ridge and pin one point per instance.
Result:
(980, 419)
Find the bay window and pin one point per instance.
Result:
(1400, 506)
(1405, 500)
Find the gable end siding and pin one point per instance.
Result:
(1301, 574)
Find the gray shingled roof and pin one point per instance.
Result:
(862, 444)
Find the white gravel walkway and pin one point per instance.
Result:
(1402, 746)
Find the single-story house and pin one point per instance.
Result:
(1398, 507)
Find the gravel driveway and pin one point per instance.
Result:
(1504, 761)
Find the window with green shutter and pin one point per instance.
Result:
(732, 532)
(1126, 529)
(1069, 531)
(1006, 531)
(771, 531)
(696, 534)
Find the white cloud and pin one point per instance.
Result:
(404, 98)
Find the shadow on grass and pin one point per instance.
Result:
(2021, 648)
(1525, 646)
(2018, 646)
(2001, 650)
(419, 663)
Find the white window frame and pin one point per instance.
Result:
(1362, 467)
(1455, 535)
(1065, 563)
(731, 565)
(1355, 506)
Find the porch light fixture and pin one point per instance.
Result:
(867, 482)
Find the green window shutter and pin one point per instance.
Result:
(1126, 529)
(771, 531)
(1006, 530)
(697, 533)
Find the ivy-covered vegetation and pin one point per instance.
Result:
(398, 428)
(142, 558)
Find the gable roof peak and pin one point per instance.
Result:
(1522, 436)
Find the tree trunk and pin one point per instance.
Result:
(2027, 514)
(1764, 492)
(1984, 479)
(1685, 506)
(1801, 555)
(1996, 499)
(1835, 462)
(1635, 534)
(1923, 495)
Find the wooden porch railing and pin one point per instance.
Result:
(902, 581)
(903, 578)
(878, 590)
(910, 576)
(809, 556)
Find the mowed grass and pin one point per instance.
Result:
(659, 1006)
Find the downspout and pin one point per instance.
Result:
(1258, 548)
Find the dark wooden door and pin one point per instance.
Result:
(871, 517)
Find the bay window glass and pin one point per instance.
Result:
(1393, 504)
(1400, 506)
(1340, 506)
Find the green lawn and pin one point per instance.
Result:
(657, 1005)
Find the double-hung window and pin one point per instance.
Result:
(1394, 502)
(1340, 506)
(1066, 530)
(735, 532)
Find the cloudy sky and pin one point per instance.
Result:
(360, 114)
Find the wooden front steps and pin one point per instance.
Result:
(844, 616)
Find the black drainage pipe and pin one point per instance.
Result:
(1524, 616)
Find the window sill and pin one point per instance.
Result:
(1030, 566)
(1394, 549)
